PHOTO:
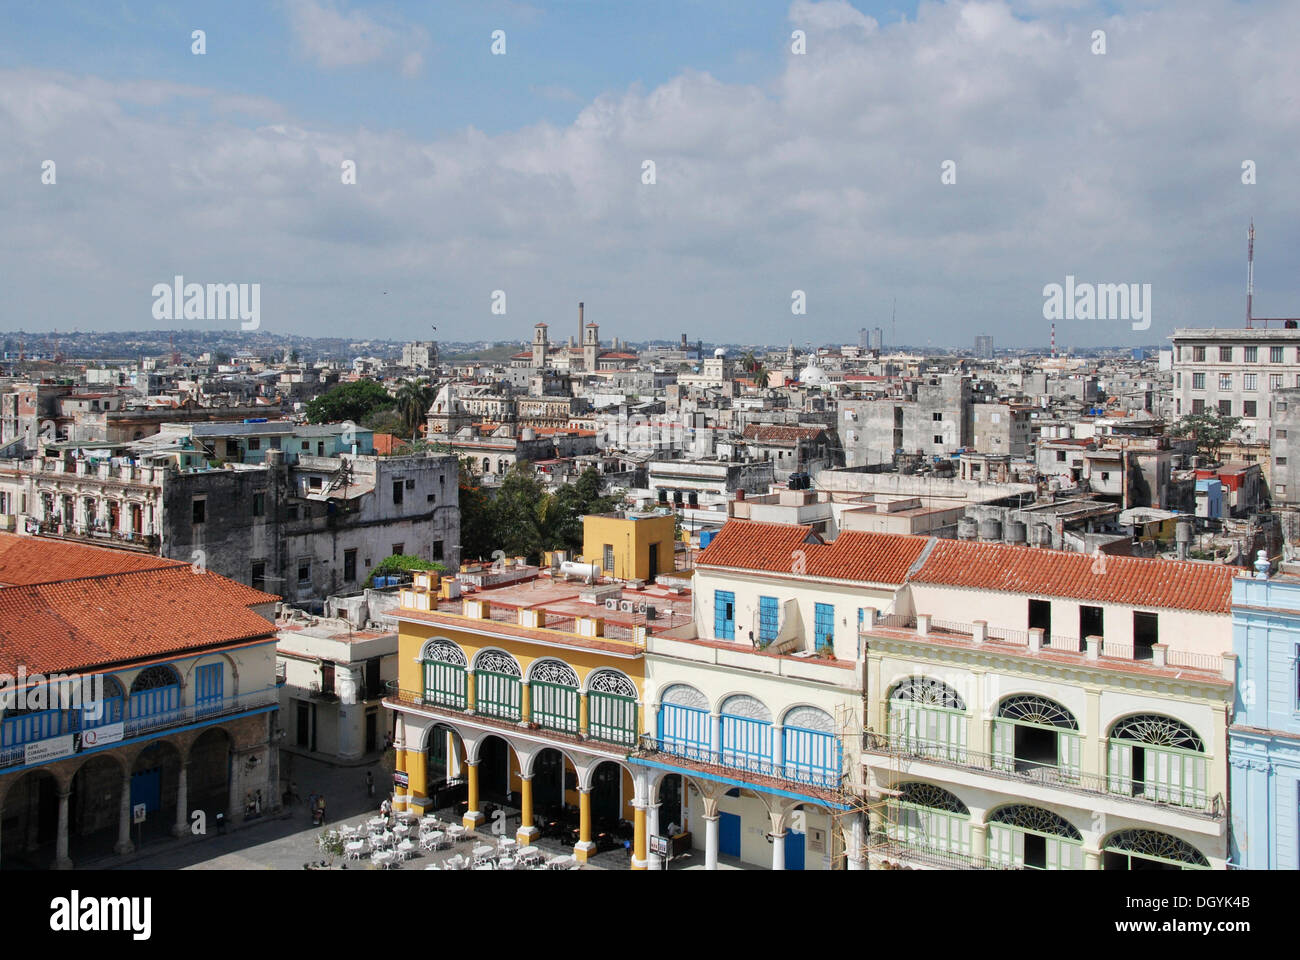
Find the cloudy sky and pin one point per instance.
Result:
(774, 170)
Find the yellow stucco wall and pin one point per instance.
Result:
(631, 540)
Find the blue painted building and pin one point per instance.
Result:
(1264, 740)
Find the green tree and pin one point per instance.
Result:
(348, 401)
(414, 397)
(477, 524)
(515, 512)
(387, 420)
(1210, 430)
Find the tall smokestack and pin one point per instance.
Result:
(580, 340)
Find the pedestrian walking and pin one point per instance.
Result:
(370, 784)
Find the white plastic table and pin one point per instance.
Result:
(406, 848)
(354, 849)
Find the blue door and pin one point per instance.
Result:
(146, 788)
(794, 850)
(729, 834)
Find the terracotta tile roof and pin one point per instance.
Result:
(780, 435)
(1133, 581)
(854, 555)
(84, 620)
(29, 560)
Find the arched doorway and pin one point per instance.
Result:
(1036, 736)
(494, 757)
(208, 779)
(444, 752)
(94, 808)
(31, 822)
(155, 776)
(1034, 838)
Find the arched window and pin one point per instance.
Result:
(746, 734)
(930, 817)
(1160, 758)
(1037, 710)
(683, 724)
(1151, 846)
(809, 747)
(497, 690)
(444, 673)
(611, 707)
(927, 691)
(553, 686)
(1037, 737)
(1026, 836)
(928, 717)
(155, 698)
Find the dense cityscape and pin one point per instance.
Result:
(835, 439)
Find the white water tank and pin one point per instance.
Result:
(588, 571)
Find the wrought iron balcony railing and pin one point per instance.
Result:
(792, 771)
(1191, 799)
(14, 754)
(456, 703)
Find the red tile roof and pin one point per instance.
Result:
(29, 560)
(1133, 581)
(775, 547)
(71, 607)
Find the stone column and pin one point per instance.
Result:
(979, 840)
(351, 717)
(639, 836)
(583, 717)
(715, 738)
(61, 859)
(472, 813)
(778, 841)
(584, 847)
(1091, 860)
(527, 833)
(399, 765)
(653, 860)
(234, 802)
(124, 844)
(182, 825)
(857, 858)
(778, 749)
(711, 842)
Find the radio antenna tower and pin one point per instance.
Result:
(1250, 271)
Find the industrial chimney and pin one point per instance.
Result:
(579, 322)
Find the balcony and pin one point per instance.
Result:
(910, 856)
(454, 706)
(1050, 777)
(730, 765)
(207, 712)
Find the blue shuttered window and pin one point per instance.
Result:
(209, 688)
(684, 730)
(724, 614)
(824, 625)
(768, 619)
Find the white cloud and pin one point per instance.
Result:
(333, 37)
(1122, 168)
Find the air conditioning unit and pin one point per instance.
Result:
(640, 606)
(611, 603)
(626, 606)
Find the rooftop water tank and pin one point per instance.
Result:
(1015, 531)
(990, 530)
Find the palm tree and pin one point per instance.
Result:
(414, 397)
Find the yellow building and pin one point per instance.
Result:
(635, 546)
(528, 697)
